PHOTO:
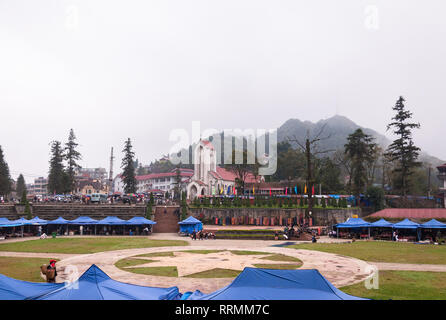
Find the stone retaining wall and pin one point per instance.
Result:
(321, 217)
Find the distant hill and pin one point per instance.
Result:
(337, 129)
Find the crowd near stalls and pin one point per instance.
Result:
(406, 230)
(81, 226)
(94, 198)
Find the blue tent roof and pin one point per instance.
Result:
(406, 224)
(140, 220)
(112, 220)
(94, 284)
(382, 224)
(269, 284)
(16, 223)
(5, 222)
(189, 220)
(36, 221)
(83, 220)
(12, 289)
(433, 224)
(353, 223)
(59, 220)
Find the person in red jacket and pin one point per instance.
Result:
(52, 265)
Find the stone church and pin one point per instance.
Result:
(209, 178)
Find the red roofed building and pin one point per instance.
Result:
(163, 181)
(418, 214)
(208, 177)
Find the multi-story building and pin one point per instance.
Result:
(92, 173)
(161, 182)
(442, 177)
(39, 187)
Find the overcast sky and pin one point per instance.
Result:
(117, 69)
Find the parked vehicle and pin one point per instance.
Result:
(98, 198)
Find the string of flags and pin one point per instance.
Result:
(232, 190)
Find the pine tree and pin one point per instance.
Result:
(5, 178)
(71, 156)
(57, 177)
(403, 151)
(21, 187)
(128, 168)
(23, 199)
(149, 210)
(28, 211)
(183, 206)
(359, 148)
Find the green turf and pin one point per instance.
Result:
(156, 271)
(86, 245)
(403, 285)
(27, 269)
(129, 262)
(281, 266)
(381, 251)
(202, 251)
(282, 257)
(156, 254)
(244, 252)
(215, 273)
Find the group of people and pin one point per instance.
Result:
(293, 231)
(200, 235)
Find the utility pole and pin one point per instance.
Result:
(110, 177)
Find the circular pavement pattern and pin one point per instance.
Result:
(339, 270)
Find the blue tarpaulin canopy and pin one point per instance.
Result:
(5, 222)
(22, 222)
(112, 220)
(83, 221)
(190, 225)
(406, 224)
(269, 284)
(140, 221)
(36, 221)
(94, 284)
(59, 220)
(382, 224)
(353, 223)
(12, 289)
(433, 224)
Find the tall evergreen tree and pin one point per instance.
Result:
(21, 187)
(403, 151)
(57, 177)
(359, 148)
(72, 156)
(128, 168)
(5, 177)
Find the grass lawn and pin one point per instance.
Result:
(156, 254)
(86, 245)
(129, 262)
(282, 257)
(244, 252)
(202, 251)
(215, 273)
(404, 285)
(380, 251)
(156, 271)
(27, 269)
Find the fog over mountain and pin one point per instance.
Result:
(336, 129)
